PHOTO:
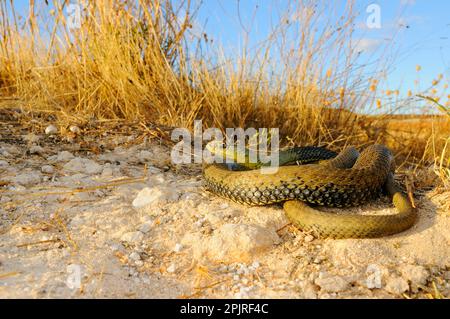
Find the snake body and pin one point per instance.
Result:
(348, 179)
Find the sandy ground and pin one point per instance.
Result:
(122, 222)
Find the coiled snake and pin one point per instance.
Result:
(343, 180)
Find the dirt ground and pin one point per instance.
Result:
(119, 221)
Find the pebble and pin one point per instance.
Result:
(31, 138)
(83, 165)
(309, 238)
(172, 268)
(396, 285)
(51, 129)
(255, 264)
(145, 227)
(416, 274)
(48, 169)
(178, 247)
(27, 179)
(3, 163)
(132, 237)
(135, 256)
(74, 129)
(238, 242)
(154, 195)
(309, 290)
(64, 156)
(332, 283)
(36, 149)
(107, 170)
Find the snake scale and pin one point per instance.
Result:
(338, 180)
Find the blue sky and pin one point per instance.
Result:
(422, 29)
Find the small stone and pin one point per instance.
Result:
(51, 129)
(172, 268)
(139, 263)
(332, 283)
(83, 165)
(238, 242)
(132, 237)
(107, 170)
(135, 256)
(117, 247)
(3, 163)
(309, 290)
(255, 264)
(64, 156)
(309, 238)
(36, 149)
(178, 247)
(27, 179)
(48, 169)
(31, 138)
(74, 129)
(154, 195)
(417, 275)
(145, 227)
(396, 285)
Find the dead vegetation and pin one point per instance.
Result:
(141, 61)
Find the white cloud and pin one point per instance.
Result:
(367, 45)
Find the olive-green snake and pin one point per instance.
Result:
(348, 179)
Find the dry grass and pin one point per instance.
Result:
(138, 60)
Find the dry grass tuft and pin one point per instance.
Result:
(138, 61)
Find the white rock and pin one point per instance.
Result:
(48, 169)
(132, 237)
(172, 268)
(309, 238)
(417, 275)
(135, 256)
(36, 149)
(27, 179)
(178, 247)
(255, 264)
(154, 195)
(63, 156)
(145, 227)
(83, 165)
(75, 129)
(31, 138)
(309, 290)
(238, 242)
(107, 170)
(3, 163)
(51, 129)
(332, 283)
(396, 285)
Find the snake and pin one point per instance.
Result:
(324, 178)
